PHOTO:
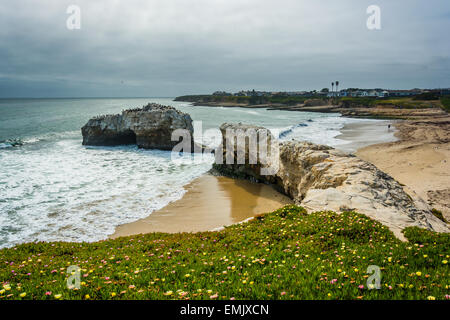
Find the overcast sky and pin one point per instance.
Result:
(170, 47)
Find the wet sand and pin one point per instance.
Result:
(366, 133)
(210, 203)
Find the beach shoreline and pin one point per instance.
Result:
(378, 112)
(419, 160)
(366, 133)
(212, 202)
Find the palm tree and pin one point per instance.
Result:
(337, 85)
(332, 88)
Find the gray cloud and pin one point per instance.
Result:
(173, 47)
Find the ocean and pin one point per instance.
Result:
(54, 189)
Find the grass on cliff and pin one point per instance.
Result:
(252, 100)
(391, 102)
(285, 254)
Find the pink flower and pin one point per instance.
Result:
(447, 297)
(48, 293)
(283, 293)
(361, 286)
(214, 296)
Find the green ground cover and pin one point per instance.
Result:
(285, 254)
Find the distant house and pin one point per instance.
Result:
(243, 93)
(362, 93)
(403, 93)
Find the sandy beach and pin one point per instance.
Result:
(420, 160)
(213, 202)
(365, 133)
(210, 202)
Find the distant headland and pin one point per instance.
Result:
(351, 102)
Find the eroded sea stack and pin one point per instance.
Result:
(319, 178)
(149, 127)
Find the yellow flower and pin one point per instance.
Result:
(23, 294)
(58, 296)
(187, 275)
(418, 273)
(329, 294)
(425, 256)
(444, 261)
(7, 287)
(168, 293)
(2, 291)
(113, 294)
(87, 296)
(244, 281)
(431, 298)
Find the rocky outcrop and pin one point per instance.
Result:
(320, 178)
(149, 127)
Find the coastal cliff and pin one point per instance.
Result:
(319, 177)
(352, 107)
(149, 127)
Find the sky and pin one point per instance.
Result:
(166, 48)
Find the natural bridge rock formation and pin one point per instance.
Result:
(149, 127)
(321, 178)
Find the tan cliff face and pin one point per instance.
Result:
(149, 127)
(321, 178)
